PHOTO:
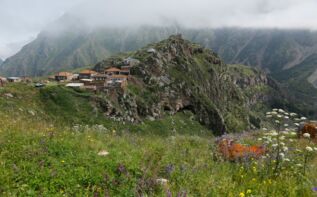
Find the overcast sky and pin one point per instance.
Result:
(22, 20)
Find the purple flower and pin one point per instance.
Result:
(315, 189)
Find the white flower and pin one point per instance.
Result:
(162, 181)
(286, 159)
(296, 124)
(274, 134)
(286, 117)
(282, 155)
(291, 140)
(315, 149)
(275, 109)
(282, 137)
(285, 125)
(293, 114)
(274, 145)
(264, 129)
(277, 121)
(281, 111)
(103, 153)
(268, 113)
(274, 113)
(285, 149)
(282, 144)
(279, 116)
(299, 165)
(260, 139)
(303, 118)
(268, 116)
(309, 149)
(306, 135)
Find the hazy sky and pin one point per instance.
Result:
(22, 20)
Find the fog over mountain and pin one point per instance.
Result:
(21, 21)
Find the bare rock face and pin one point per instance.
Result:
(176, 75)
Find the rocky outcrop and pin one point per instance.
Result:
(176, 75)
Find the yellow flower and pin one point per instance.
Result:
(241, 194)
(63, 161)
(249, 191)
(253, 179)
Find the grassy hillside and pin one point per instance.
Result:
(47, 151)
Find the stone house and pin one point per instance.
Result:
(14, 79)
(112, 71)
(87, 74)
(63, 76)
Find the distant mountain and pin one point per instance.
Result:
(1, 61)
(279, 52)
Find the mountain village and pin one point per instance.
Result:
(102, 80)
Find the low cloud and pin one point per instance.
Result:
(21, 19)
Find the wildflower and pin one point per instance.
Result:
(293, 114)
(277, 121)
(286, 117)
(306, 135)
(63, 161)
(254, 179)
(274, 145)
(103, 153)
(282, 144)
(291, 140)
(315, 149)
(309, 149)
(303, 118)
(285, 125)
(162, 181)
(299, 165)
(279, 116)
(282, 155)
(260, 139)
(249, 191)
(268, 116)
(286, 159)
(315, 189)
(274, 113)
(274, 134)
(241, 194)
(264, 129)
(296, 124)
(285, 149)
(281, 111)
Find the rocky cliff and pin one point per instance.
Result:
(175, 75)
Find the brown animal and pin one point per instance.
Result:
(310, 128)
(233, 151)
